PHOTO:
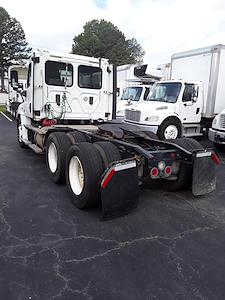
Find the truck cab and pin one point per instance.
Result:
(68, 87)
(132, 95)
(173, 108)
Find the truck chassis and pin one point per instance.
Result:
(106, 163)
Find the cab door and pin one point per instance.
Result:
(191, 104)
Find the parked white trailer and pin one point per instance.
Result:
(133, 86)
(69, 101)
(17, 80)
(186, 104)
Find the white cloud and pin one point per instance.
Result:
(161, 26)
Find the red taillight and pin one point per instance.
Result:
(215, 158)
(154, 172)
(48, 122)
(168, 170)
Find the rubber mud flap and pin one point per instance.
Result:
(204, 176)
(119, 189)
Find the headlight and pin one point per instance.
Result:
(152, 119)
(215, 120)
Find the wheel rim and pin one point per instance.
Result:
(76, 175)
(171, 132)
(52, 157)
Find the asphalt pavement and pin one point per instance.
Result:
(171, 247)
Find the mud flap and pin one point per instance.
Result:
(119, 189)
(204, 174)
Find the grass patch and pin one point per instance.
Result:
(2, 108)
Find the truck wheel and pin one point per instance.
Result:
(56, 148)
(19, 134)
(169, 129)
(84, 168)
(76, 137)
(109, 152)
(184, 175)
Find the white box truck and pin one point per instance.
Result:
(186, 104)
(69, 102)
(133, 86)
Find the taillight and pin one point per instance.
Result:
(48, 122)
(154, 172)
(168, 171)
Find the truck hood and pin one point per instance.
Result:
(150, 106)
(140, 113)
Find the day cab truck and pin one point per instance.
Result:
(17, 78)
(186, 104)
(133, 86)
(68, 115)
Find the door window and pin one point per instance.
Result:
(190, 91)
(89, 77)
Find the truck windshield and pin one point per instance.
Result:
(132, 93)
(165, 92)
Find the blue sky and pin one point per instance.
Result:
(163, 27)
(101, 3)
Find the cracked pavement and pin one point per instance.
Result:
(171, 247)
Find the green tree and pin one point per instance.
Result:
(13, 45)
(103, 39)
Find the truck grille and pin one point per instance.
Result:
(132, 115)
(222, 121)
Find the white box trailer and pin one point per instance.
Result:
(208, 66)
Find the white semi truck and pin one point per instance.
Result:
(133, 86)
(68, 114)
(186, 104)
(17, 79)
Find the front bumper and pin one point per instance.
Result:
(151, 128)
(217, 136)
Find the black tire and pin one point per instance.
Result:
(60, 141)
(162, 128)
(77, 137)
(109, 152)
(184, 176)
(92, 166)
(21, 144)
